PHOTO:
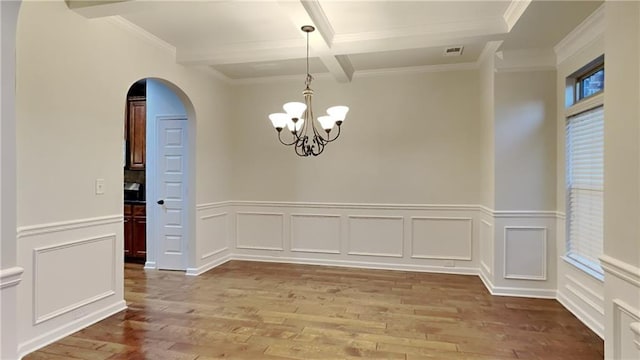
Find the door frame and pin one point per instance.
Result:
(154, 226)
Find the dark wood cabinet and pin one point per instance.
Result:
(128, 217)
(135, 132)
(135, 232)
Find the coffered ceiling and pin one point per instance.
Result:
(256, 39)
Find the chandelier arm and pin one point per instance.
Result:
(337, 135)
(320, 145)
(301, 146)
(295, 139)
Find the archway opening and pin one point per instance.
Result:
(159, 129)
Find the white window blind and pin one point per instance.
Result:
(585, 180)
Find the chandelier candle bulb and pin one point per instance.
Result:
(305, 136)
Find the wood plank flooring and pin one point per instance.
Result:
(253, 310)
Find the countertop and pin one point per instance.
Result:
(135, 202)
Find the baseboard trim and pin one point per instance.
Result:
(68, 329)
(357, 264)
(485, 280)
(150, 265)
(208, 266)
(515, 292)
(493, 290)
(523, 292)
(582, 315)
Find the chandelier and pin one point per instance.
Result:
(299, 119)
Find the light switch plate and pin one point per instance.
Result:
(99, 186)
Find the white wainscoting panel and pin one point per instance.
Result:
(87, 278)
(585, 293)
(447, 238)
(216, 230)
(486, 246)
(260, 231)
(525, 252)
(315, 233)
(376, 235)
(624, 340)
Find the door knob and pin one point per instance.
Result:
(160, 202)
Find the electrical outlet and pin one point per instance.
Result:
(449, 263)
(99, 186)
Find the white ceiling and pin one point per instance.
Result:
(256, 39)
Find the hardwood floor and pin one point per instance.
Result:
(252, 310)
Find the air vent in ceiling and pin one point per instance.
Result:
(453, 51)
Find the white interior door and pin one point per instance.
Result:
(172, 193)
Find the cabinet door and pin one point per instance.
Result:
(137, 133)
(139, 246)
(128, 234)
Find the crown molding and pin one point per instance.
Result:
(454, 29)
(416, 69)
(525, 60)
(278, 78)
(362, 73)
(215, 73)
(514, 11)
(591, 29)
(141, 33)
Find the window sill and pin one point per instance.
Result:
(589, 271)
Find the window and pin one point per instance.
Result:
(590, 84)
(585, 149)
(585, 170)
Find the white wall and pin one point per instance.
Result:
(621, 259)
(10, 273)
(72, 79)
(408, 139)
(525, 112)
(487, 160)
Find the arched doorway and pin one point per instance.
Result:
(158, 173)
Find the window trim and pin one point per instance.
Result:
(589, 103)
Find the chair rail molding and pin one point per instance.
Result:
(621, 269)
(10, 276)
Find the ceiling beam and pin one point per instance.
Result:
(103, 8)
(243, 53)
(309, 12)
(514, 11)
